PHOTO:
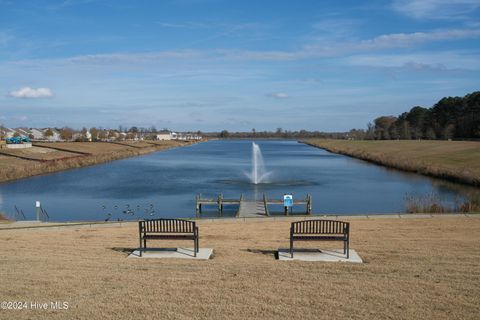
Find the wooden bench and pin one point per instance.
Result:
(320, 230)
(167, 229)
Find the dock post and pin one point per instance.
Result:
(309, 204)
(196, 205)
(220, 203)
(265, 204)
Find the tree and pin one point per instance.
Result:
(370, 134)
(112, 135)
(94, 133)
(383, 126)
(3, 131)
(66, 133)
(224, 134)
(48, 133)
(102, 135)
(430, 134)
(417, 118)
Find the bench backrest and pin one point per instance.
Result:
(167, 226)
(320, 227)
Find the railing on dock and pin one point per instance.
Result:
(219, 202)
(247, 208)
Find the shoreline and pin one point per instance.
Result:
(11, 225)
(34, 167)
(460, 175)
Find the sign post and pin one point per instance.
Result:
(287, 202)
(38, 206)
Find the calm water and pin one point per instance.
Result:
(164, 184)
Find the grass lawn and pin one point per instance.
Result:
(415, 268)
(67, 155)
(456, 160)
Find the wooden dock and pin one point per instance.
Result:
(250, 208)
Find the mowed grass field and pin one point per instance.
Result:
(415, 268)
(45, 158)
(454, 160)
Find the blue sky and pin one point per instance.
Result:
(216, 64)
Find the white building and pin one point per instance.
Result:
(166, 135)
(54, 137)
(37, 134)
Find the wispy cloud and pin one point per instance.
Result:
(277, 95)
(450, 60)
(31, 93)
(436, 9)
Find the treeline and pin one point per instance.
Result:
(449, 118)
(278, 134)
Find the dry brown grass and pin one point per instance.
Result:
(41, 154)
(454, 160)
(414, 269)
(46, 160)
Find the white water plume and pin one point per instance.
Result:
(258, 174)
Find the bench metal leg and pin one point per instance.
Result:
(348, 249)
(291, 248)
(195, 246)
(141, 248)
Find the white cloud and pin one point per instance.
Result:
(436, 9)
(31, 93)
(407, 39)
(278, 95)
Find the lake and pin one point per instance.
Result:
(164, 184)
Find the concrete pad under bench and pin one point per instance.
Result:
(331, 255)
(178, 253)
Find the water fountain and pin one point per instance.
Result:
(258, 174)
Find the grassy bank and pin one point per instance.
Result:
(414, 269)
(457, 161)
(46, 158)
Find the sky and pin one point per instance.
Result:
(211, 65)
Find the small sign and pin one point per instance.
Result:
(287, 200)
(37, 204)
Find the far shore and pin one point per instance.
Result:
(44, 158)
(457, 161)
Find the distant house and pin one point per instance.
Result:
(9, 133)
(24, 132)
(54, 137)
(165, 135)
(188, 137)
(37, 134)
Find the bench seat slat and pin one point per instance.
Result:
(169, 236)
(319, 238)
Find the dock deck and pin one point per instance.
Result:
(251, 209)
